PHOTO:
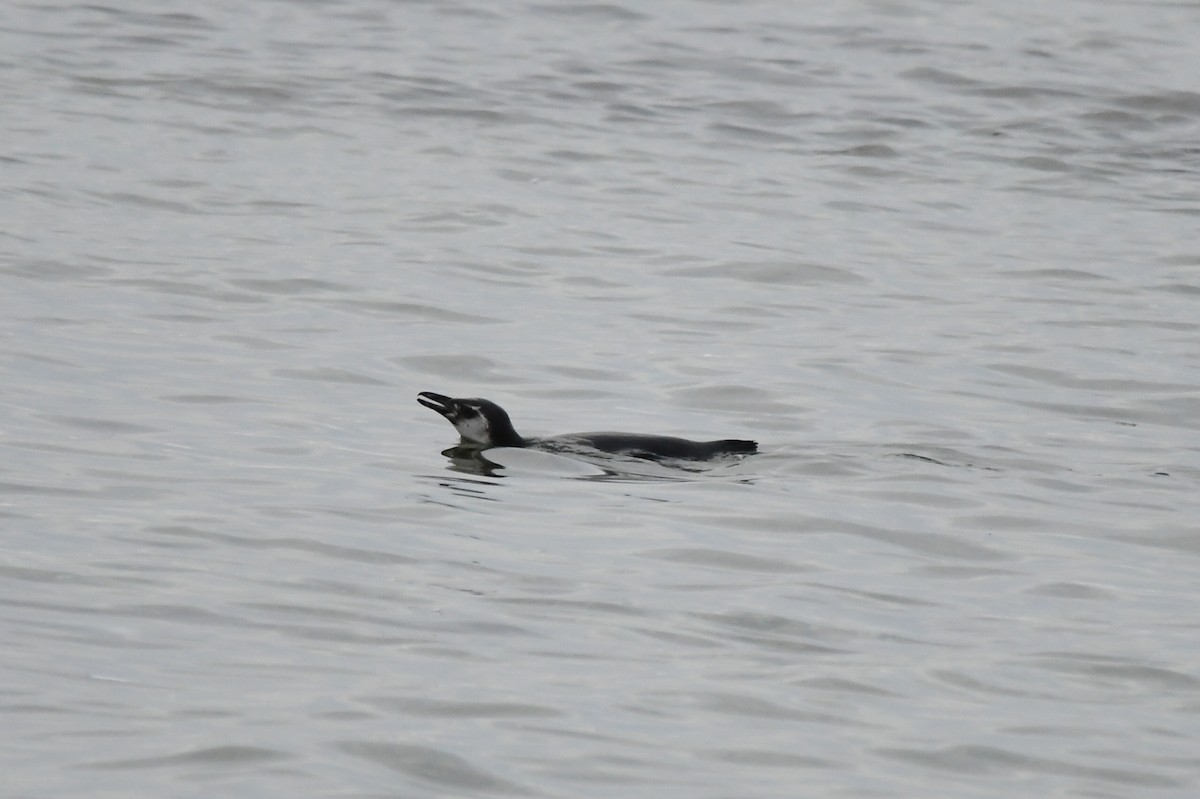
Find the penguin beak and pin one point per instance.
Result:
(444, 405)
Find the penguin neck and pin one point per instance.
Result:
(502, 433)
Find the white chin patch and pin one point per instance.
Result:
(474, 430)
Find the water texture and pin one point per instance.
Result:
(939, 259)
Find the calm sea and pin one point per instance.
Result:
(939, 258)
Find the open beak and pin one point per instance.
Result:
(438, 402)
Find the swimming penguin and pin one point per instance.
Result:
(484, 424)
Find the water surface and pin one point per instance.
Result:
(939, 259)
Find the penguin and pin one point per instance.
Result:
(483, 424)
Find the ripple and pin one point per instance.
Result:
(982, 760)
(431, 766)
(223, 756)
(778, 273)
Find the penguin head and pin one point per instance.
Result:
(481, 423)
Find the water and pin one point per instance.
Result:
(939, 259)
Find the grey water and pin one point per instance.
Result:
(940, 259)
